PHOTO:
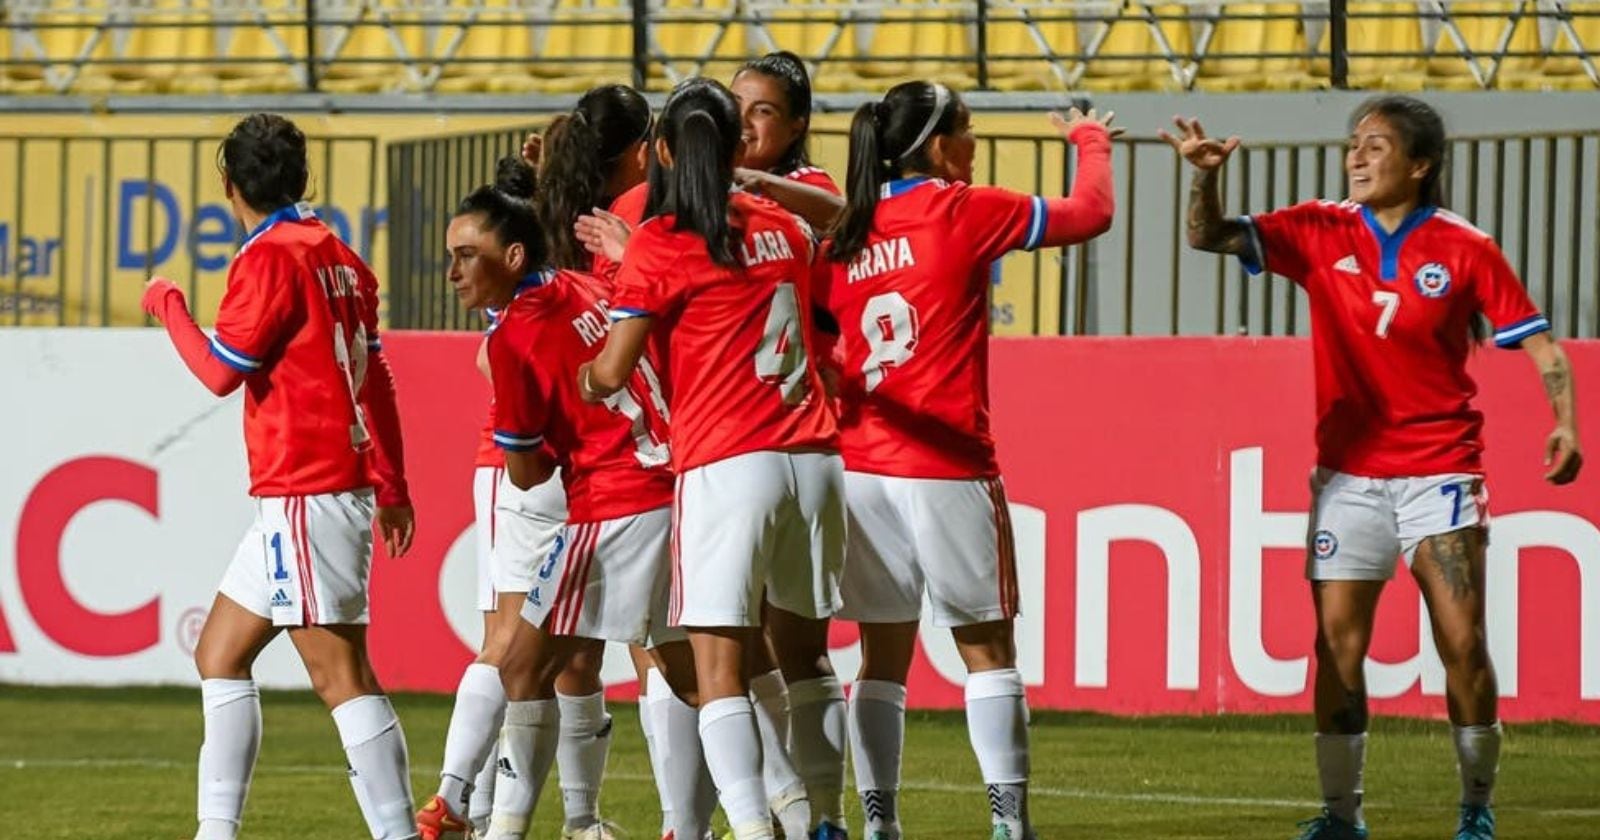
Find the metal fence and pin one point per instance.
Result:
(1537, 195)
(85, 220)
(451, 46)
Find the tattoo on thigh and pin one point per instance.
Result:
(1351, 717)
(1453, 553)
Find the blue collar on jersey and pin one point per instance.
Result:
(903, 186)
(528, 281)
(287, 213)
(1389, 243)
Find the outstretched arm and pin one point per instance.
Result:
(1563, 454)
(817, 206)
(164, 301)
(1209, 230)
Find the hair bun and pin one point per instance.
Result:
(514, 177)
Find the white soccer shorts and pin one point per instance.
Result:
(1359, 526)
(305, 560)
(772, 520)
(516, 530)
(606, 580)
(950, 537)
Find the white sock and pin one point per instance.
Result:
(376, 749)
(783, 783)
(654, 682)
(232, 710)
(733, 751)
(877, 739)
(474, 724)
(1478, 756)
(581, 756)
(482, 803)
(528, 744)
(1340, 762)
(818, 733)
(997, 723)
(686, 777)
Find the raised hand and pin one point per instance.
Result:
(603, 233)
(533, 149)
(1067, 123)
(1201, 151)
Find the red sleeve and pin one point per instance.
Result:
(165, 301)
(815, 176)
(258, 309)
(646, 284)
(999, 220)
(381, 407)
(1280, 239)
(521, 406)
(1503, 299)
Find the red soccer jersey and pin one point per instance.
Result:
(489, 453)
(742, 377)
(1391, 321)
(913, 313)
(613, 456)
(299, 317)
(814, 176)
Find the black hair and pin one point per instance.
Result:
(264, 157)
(789, 70)
(884, 146)
(507, 209)
(581, 150)
(1422, 135)
(700, 126)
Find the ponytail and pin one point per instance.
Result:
(581, 152)
(864, 180)
(506, 207)
(573, 184)
(700, 126)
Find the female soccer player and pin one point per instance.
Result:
(907, 279)
(759, 499)
(1396, 284)
(594, 157)
(298, 328)
(610, 564)
(774, 95)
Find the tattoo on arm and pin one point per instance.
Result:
(1208, 230)
(1557, 379)
(1453, 558)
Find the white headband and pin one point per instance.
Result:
(941, 100)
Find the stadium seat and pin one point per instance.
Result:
(701, 38)
(811, 30)
(1237, 35)
(1402, 34)
(919, 42)
(367, 46)
(1127, 54)
(577, 57)
(253, 55)
(1563, 69)
(1026, 28)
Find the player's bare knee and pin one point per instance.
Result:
(986, 647)
(1465, 649)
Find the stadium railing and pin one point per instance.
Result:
(1538, 195)
(508, 46)
(85, 220)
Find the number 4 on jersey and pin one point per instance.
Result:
(781, 358)
(889, 323)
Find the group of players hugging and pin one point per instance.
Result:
(732, 402)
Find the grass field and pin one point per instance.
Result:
(119, 765)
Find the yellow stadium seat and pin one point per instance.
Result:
(1243, 38)
(257, 52)
(362, 49)
(1562, 58)
(702, 42)
(1483, 36)
(1128, 55)
(583, 44)
(919, 42)
(812, 31)
(1015, 30)
(1401, 34)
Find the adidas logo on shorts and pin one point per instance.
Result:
(281, 599)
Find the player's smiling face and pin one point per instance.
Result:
(478, 270)
(1378, 171)
(768, 127)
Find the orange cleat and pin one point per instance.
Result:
(436, 822)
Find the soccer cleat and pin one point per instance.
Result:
(1477, 823)
(828, 831)
(436, 822)
(599, 831)
(1329, 826)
